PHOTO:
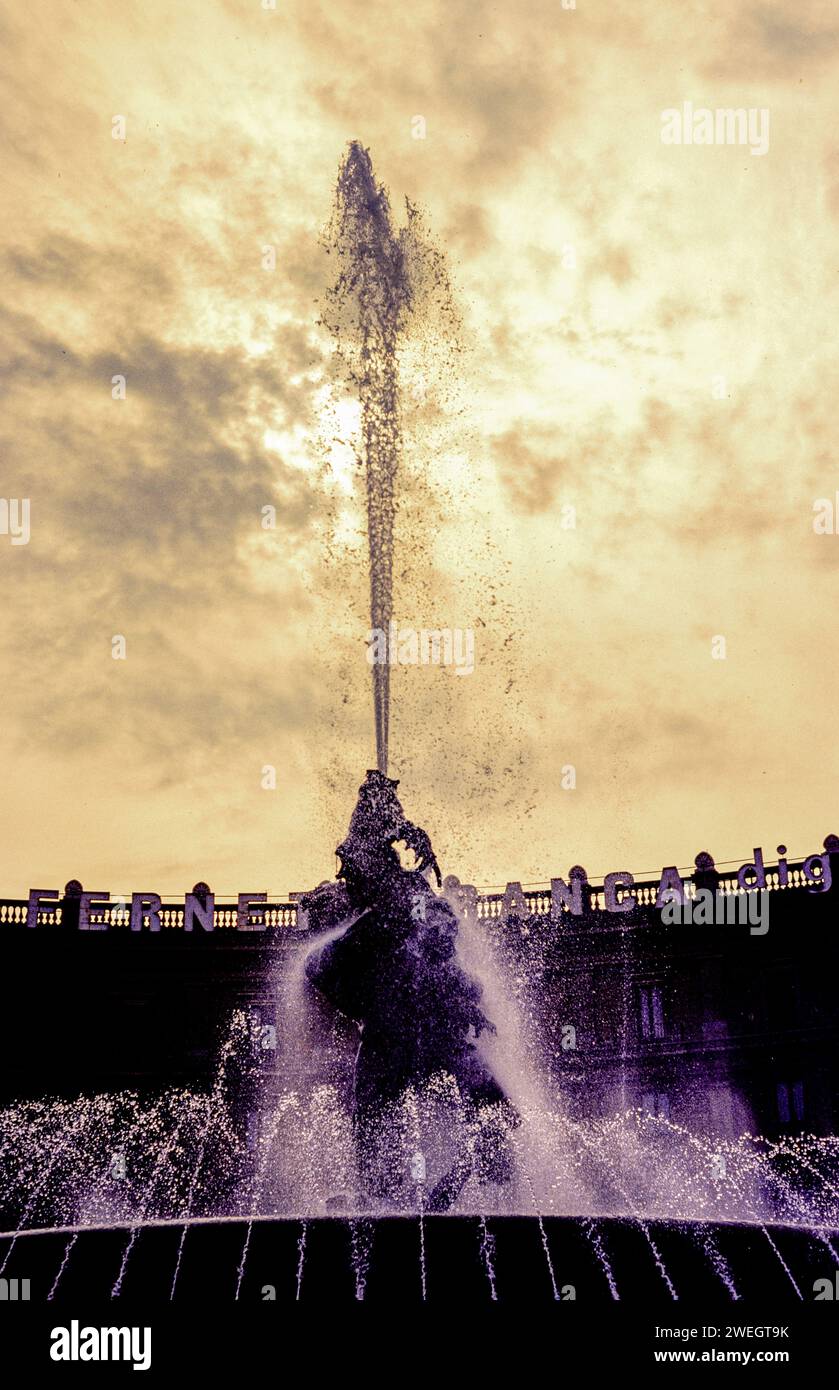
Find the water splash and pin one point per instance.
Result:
(487, 1243)
(718, 1262)
(782, 1262)
(240, 1273)
(210, 1107)
(361, 1244)
(68, 1250)
(266, 1139)
(599, 1249)
(423, 1266)
(301, 1258)
(187, 1158)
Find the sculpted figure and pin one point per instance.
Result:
(394, 972)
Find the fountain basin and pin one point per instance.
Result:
(444, 1258)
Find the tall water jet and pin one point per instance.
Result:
(392, 311)
(370, 301)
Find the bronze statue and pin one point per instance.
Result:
(394, 972)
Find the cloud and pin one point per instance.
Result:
(589, 386)
(775, 42)
(487, 90)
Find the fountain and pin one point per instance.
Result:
(411, 1139)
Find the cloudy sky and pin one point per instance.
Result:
(648, 338)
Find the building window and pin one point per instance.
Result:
(651, 1011)
(657, 1104)
(790, 1102)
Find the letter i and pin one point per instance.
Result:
(783, 868)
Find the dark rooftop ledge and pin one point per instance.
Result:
(604, 897)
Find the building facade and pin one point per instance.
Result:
(725, 1027)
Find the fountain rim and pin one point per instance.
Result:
(343, 1218)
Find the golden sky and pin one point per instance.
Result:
(594, 385)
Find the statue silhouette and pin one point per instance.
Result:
(393, 971)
